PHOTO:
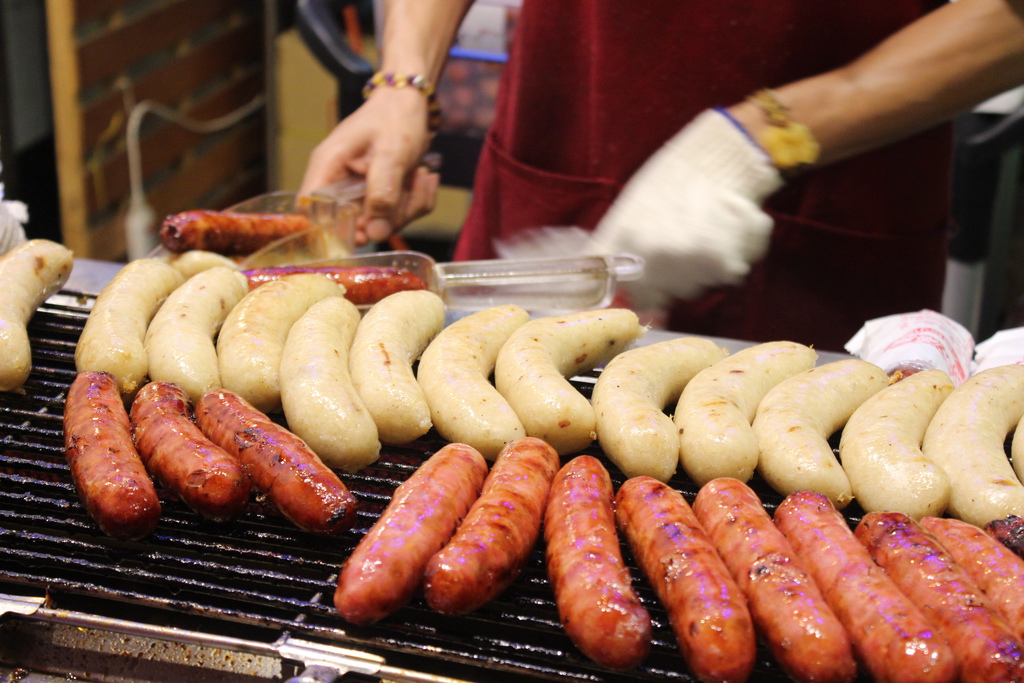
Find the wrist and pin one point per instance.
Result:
(412, 83)
(789, 144)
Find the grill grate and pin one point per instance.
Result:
(260, 572)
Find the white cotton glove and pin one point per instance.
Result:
(693, 211)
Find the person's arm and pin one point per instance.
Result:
(385, 139)
(694, 211)
(944, 63)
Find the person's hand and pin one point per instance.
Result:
(693, 211)
(384, 140)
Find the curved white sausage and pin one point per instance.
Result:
(114, 337)
(630, 397)
(251, 341)
(29, 275)
(389, 339)
(320, 402)
(181, 339)
(533, 365)
(714, 412)
(966, 438)
(455, 374)
(796, 418)
(880, 448)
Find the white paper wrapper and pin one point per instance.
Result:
(916, 341)
(1005, 347)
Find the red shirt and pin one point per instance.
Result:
(593, 87)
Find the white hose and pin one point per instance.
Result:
(140, 232)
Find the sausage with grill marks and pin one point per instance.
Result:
(493, 543)
(892, 638)
(991, 566)
(280, 464)
(982, 643)
(205, 476)
(231, 233)
(384, 571)
(708, 612)
(597, 605)
(107, 470)
(788, 608)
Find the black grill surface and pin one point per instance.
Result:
(261, 576)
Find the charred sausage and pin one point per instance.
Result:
(205, 476)
(982, 643)
(279, 463)
(709, 614)
(891, 637)
(493, 543)
(788, 608)
(107, 470)
(227, 232)
(386, 568)
(597, 605)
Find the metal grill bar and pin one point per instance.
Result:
(260, 570)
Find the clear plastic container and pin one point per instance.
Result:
(549, 285)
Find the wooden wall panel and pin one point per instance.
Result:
(203, 59)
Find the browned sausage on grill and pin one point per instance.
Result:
(205, 476)
(892, 638)
(364, 285)
(494, 541)
(990, 565)
(1009, 531)
(597, 605)
(985, 648)
(708, 612)
(788, 608)
(386, 568)
(227, 232)
(107, 470)
(280, 464)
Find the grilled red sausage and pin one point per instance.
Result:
(386, 568)
(107, 470)
(985, 648)
(279, 463)
(991, 566)
(227, 232)
(597, 605)
(494, 541)
(802, 631)
(890, 636)
(1009, 531)
(708, 612)
(210, 480)
(364, 285)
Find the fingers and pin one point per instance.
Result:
(416, 197)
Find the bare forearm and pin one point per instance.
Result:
(419, 33)
(941, 65)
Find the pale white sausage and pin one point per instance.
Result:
(320, 402)
(29, 274)
(181, 339)
(533, 365)
(880, 448)
(630, 397)
(114, 337)
(391, 336)
(196, 261)
(966, 438)
(455, 374)
(251, 341)
(714, 412)
(795, 419)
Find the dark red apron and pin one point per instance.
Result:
(593, 87)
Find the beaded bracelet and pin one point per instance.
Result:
(399, 80)
(789, 144)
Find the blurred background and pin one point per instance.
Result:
(115, 113)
